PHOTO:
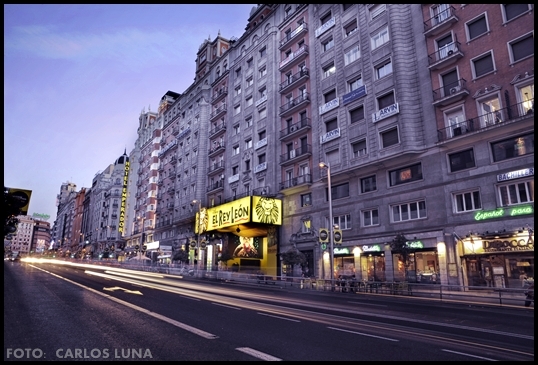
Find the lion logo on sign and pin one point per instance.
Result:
(267, 210)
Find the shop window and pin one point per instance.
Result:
(513, 147)
(461, 160)
(406, 174)
(370, 217)
(516, 193)
(373, 267)
(467, 201)
(408, 211)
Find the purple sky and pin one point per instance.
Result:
(76, 78)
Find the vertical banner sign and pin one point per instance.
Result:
(121, 225)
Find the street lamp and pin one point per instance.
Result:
(331, 222)
(142, 238)
(198, 224)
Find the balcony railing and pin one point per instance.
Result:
(446, 55)
(301, 75)
(440, 22)
(296, 154)
(294, 104)
(217, 166)
(303, 28)
(223, 91)
(294, 128)
(216, 148)
(294, 58)
(497, 117)
(450, 93)
(217, 129)
(218, 112)
(299, 180)
(216, 185)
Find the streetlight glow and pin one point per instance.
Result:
(331, 221)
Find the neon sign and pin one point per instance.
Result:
(480, 216)
(121, 225)
(501, 212)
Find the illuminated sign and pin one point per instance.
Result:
(267, 210)
(371, 248)
(260, 210)
(414, 244)
(501, 212)
(121, 225)
(152, 245)
(40, 215)
(340, 251)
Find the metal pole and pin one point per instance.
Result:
(331, 227)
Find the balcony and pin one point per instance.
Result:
(171, 190)
(217, 130)
(514, 112)
(295, 129)
(294, 58)
(440, 22)
(173, 160)
(217, 148)
(296, 181)
(213, 187)
(294, 105)
(175, 131)
(219, 94)
(172, 176)
(296, 154)
(215, 167)
(170, 206)
(450, 93)
(301, 29)
(220, 111)
(294, 80)
(445, 56)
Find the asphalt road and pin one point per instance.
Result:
(67, 312)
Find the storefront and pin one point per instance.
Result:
(499, 260)
(372, 262)
(344, 263)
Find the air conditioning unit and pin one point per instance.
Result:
(293, 128)
(450, 52)
(454, 89)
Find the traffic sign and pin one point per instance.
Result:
(323, 235)
(337, 237)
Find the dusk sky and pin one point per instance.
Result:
(77, 77)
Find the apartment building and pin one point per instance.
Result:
(481, 62)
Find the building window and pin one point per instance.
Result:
(249, 101)
(355, 84)
(249, 63)
(238, 73)
(513, 147)
(263, 52)
(248, 122)
(306, 200)
(331, 95)
(332, 157)
(262, 135)
(235, 150)
(356, 114)
(331, 125)
(237, 109)
(461, 160)
(383, 69)
(262, 113)
(247, 165)
(263, 71)
(329, 70)
(370, 217)
(248, 143)
(263, 92)
(368, 184)
(483, 65)
(468, 201)
(261, 158)
(455, 121)
(238, 90)
(491, 111)
(521, 48)
(328, 44)
(237, 129)
(511, 11)
(342, 221)
(516, 193)
(351, 28)
(525, 97)
(324, 19)
(409, 211)
(389, 138)
(380, 38)
(250, 81)
(406, 175)
(359, 148)
(338, 192)
(477, 27)
(377, 10)
(235, 170)
(352, 55)
(385, 100)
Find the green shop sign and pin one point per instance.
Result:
(502, 212)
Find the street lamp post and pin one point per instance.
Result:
(142, 238)
(331, 222)
(198, 225)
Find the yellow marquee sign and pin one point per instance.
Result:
(256, 209)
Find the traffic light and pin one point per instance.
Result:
(337, 236)
(323, 235)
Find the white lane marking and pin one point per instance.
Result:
(258, 354)
(171, 321)
(363, 334)
(361, 303)
(287, 319)
(227, 306)
(464, 354)
(185, 297)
